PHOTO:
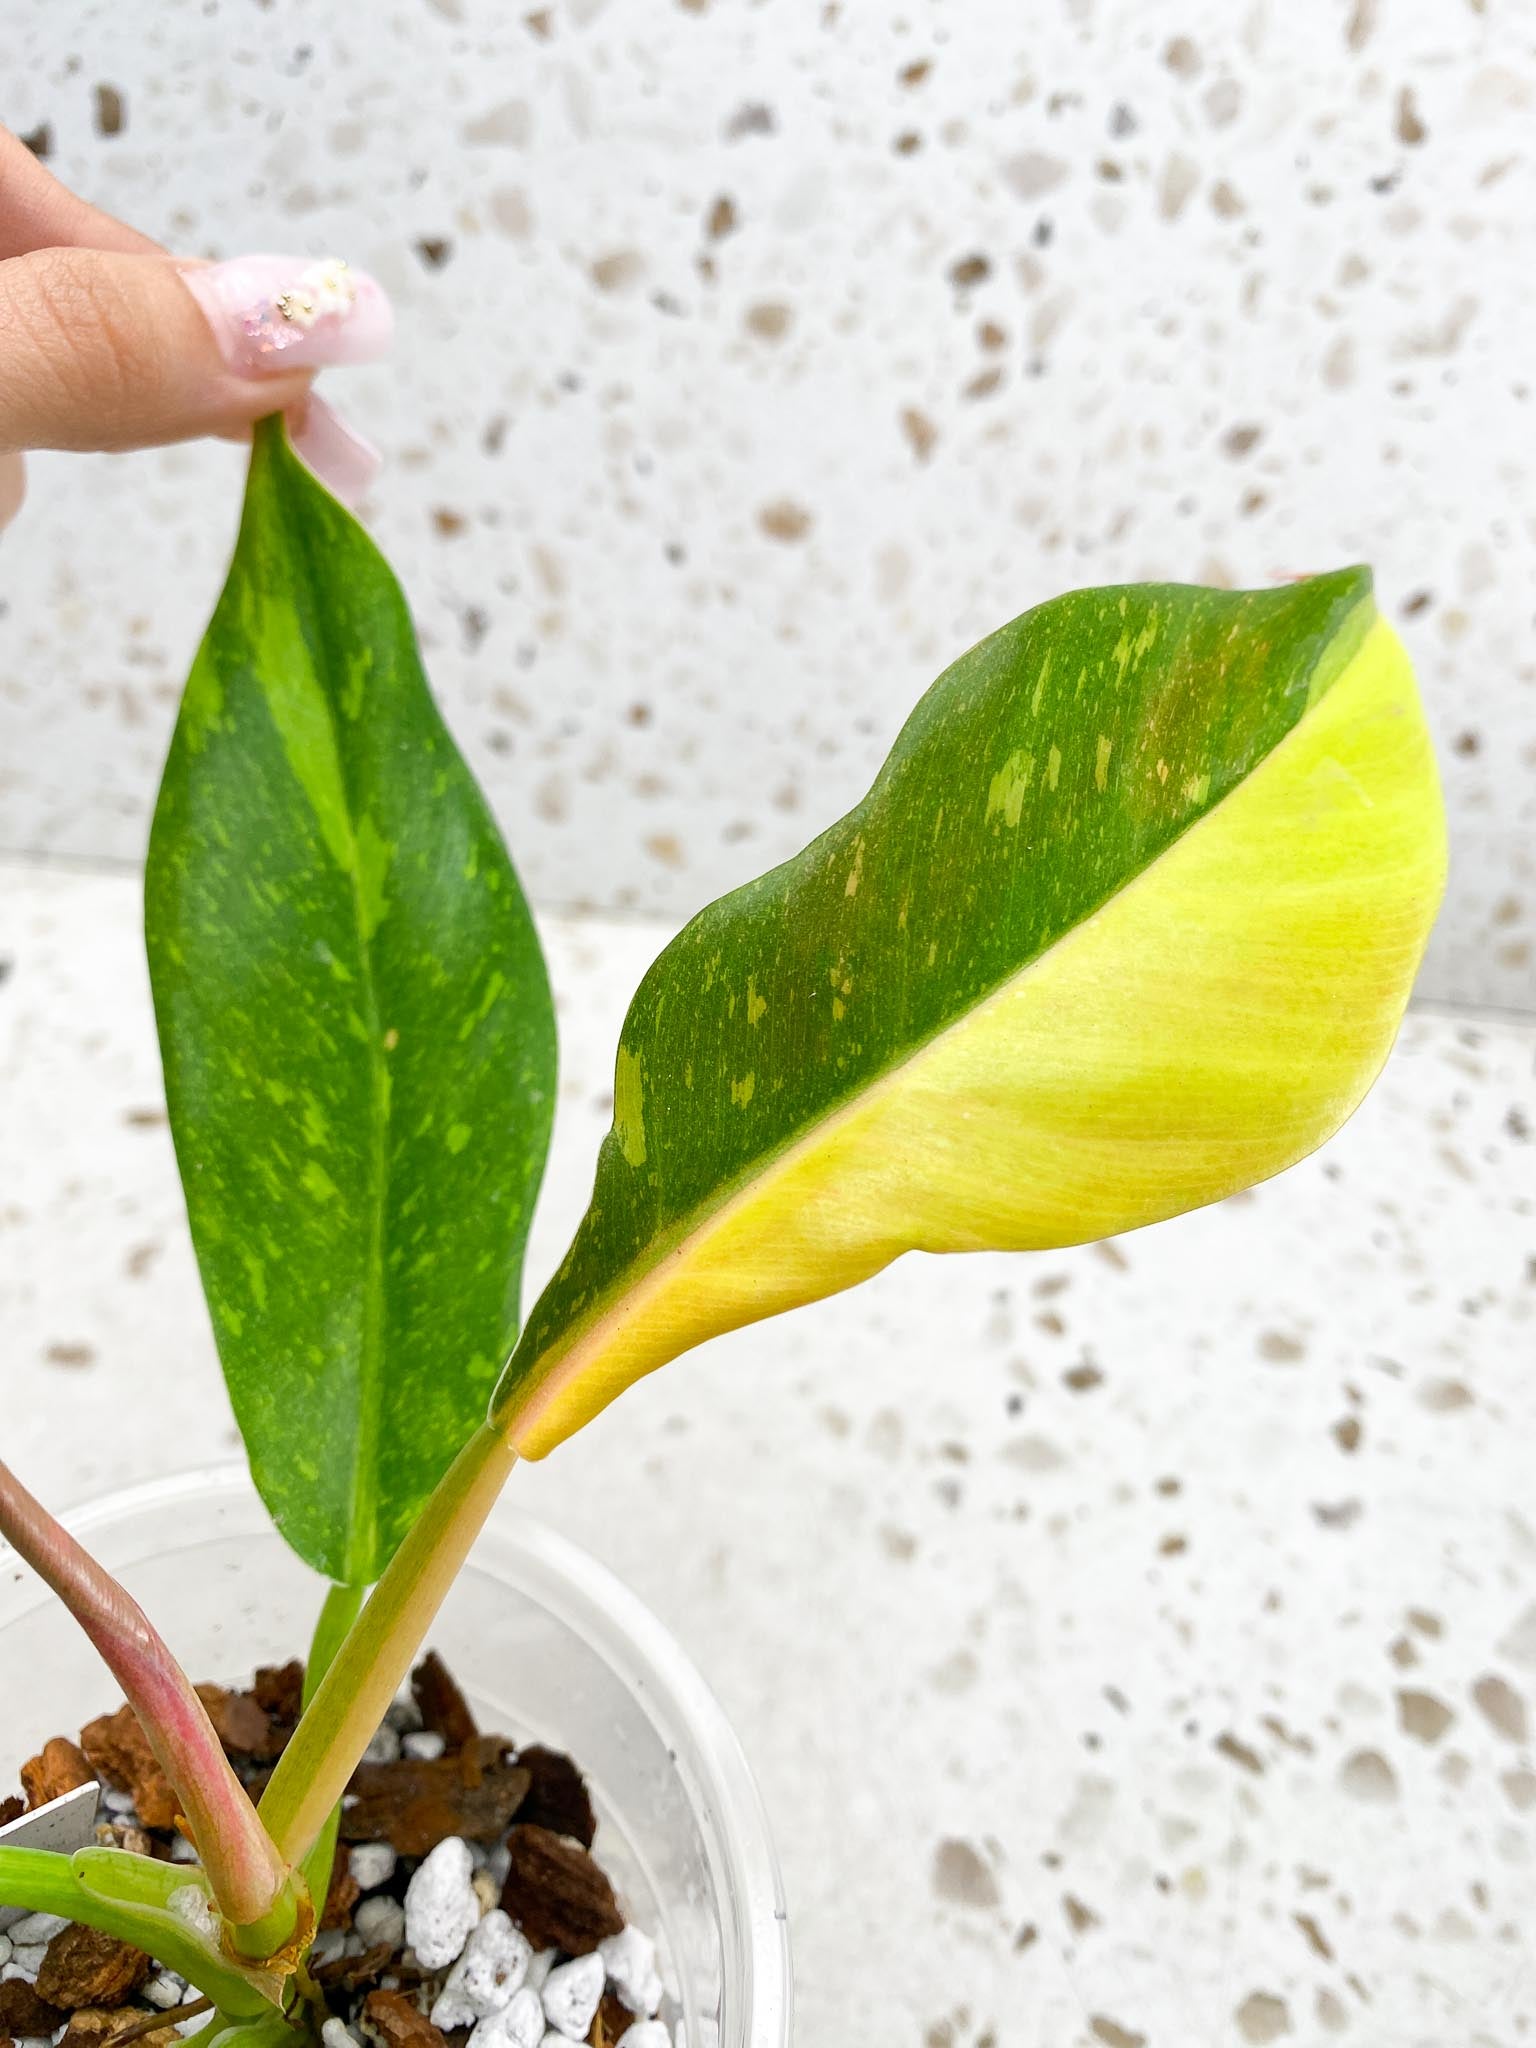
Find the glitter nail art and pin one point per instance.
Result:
(320, 290)
(280, 313)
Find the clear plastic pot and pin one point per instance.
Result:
(547, 1645)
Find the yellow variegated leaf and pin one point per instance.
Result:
(1126, 923)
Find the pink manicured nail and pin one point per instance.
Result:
(344, 462)
(285, 313)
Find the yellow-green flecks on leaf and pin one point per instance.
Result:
(1101, 762)
(374, 854)
(628, 1107)
(256, 1273)
(743, 1090)
(316, 1129)
(1197, 788)
(1053, 768)
(354, 687)
(1039, 691)
(318, 1182)
(756, 1004)
(1010, 786)
(495, 983)
(855, 873)
(458, 1137)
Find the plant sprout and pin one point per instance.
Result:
(1126, 923)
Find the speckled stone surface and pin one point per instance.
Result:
(754, 360)
(1135, 1646)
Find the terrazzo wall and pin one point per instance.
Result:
(754, 359)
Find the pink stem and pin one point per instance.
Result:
(244, 1869)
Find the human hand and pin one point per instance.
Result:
(107, 342)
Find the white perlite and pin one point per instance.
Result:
(380, 1920)
(337, 2034)
(441, 1909)
(189, 1902)
(572, 1994)
(494, 1862)
(423, 1746)
(645, 2034)
(26, 1959)
(372, 1864)
(165, 1989)
(491, 1969)
(384, 1748)
(630, 1960)
(37, 1927)
(403, 1714)
(543, 1962)
(519, 2024)
(5, 1949)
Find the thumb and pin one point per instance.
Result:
(105, 349)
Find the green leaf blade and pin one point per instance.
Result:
(878, 1046)
(356, 1028)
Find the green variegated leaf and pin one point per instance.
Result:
(356, 1029)
(1127, 922)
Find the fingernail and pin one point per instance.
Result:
(285, 313)
(344, 462)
